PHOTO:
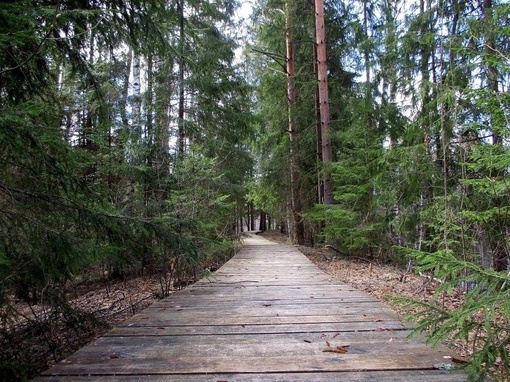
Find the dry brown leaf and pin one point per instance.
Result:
(458, 360)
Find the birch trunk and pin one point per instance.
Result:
(137, 101)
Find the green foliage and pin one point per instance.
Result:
(203, 194)
(353, 223)
(483, 320)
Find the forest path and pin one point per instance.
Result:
(268, 314)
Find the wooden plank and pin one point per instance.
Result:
(289, 344)
(337, 306)
(377, 319)
(194, 329)
(364, 376)
(247, 294)
(194, 302)
(103, 364)
(267, 316)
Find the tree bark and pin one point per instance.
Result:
(318, 149)
(322, 76)
(262, 222)
(136, 128)
(125, 92)
(252, 217)
(298, 231)
(180, 113)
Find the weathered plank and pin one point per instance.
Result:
(361, 376)
(267, 315)
(373, 322)
(150, 363)
(247, 328)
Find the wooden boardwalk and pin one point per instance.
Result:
(268, 314)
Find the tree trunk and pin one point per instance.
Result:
(322, 76)
(240, 212)
(125, 92)
(318, 149)
(148, 134)
(262, 222)
(298, 231)
(137, 101)
(180, 112)
(252, 217)
(162, 120)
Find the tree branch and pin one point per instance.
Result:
(274, 56)
(38, 47)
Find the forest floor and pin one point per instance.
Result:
(103, 305)
(39, 337)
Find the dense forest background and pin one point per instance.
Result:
(144, 136)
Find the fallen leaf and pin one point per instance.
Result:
(114, 355)
(336, 335)
(327, 343)
(459, 360)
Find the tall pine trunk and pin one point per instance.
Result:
(298, 231)
(180, 113)
(323, 95)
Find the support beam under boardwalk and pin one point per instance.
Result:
(268, 314)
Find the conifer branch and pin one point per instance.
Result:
(38, 47)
